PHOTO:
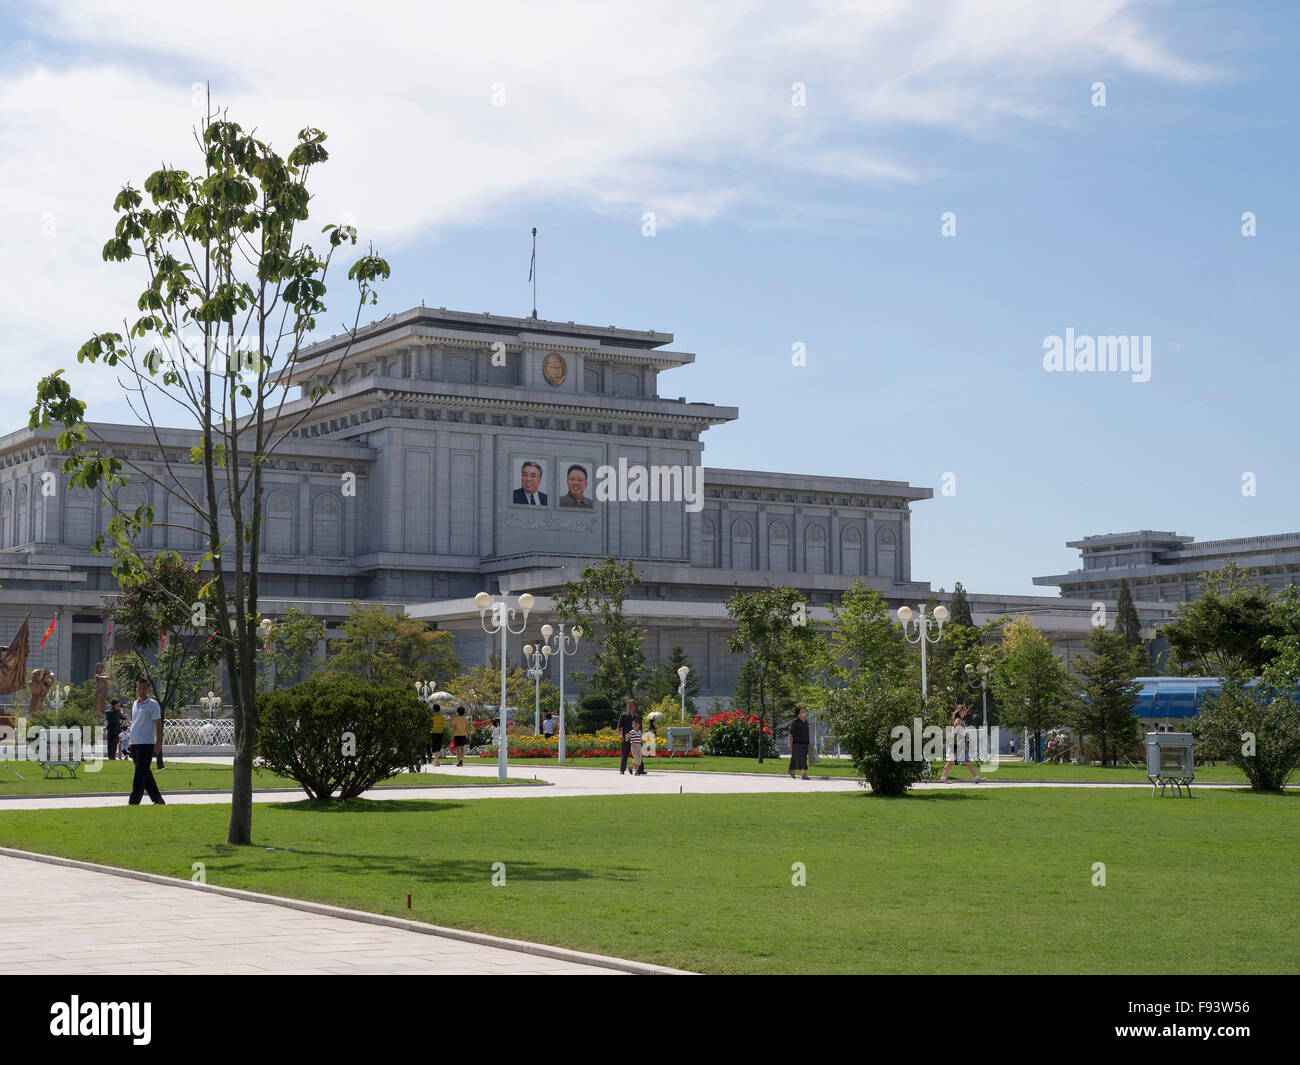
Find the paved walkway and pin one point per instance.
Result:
(566, 782)
(54, 921)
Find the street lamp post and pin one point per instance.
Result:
(983, 670)
(683, 672)
(562, 648)
(537, 660)
(921, 626)
(502, 612)
(211, 703)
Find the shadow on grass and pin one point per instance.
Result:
(364, 806)
(405, 868)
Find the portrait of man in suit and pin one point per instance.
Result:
(529, 492)
(576, 496)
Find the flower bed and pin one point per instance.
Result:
(602, 744)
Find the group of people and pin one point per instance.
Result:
(633, 743)
(440, 724)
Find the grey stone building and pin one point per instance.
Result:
(1163, 567)
(464, 452)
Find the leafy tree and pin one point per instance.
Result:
(950, 681)
(594, 600)
(1127, 622)
(1109, 695)
(959, 611)
(1031, 683)
(1224, 631)
(772, 628)
(232, 296)
(292, 643)
(868, 688)
(390, 648)
(478, 690)
(662, 682)
(1258, 724)
(157, 637)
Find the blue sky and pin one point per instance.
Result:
(779, 225)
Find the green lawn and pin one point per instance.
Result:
(834, 767)
(958, 881)
(114, 777)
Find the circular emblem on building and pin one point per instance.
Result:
(555, 369)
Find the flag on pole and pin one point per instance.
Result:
(531, 263)
(163, 642)
(50, 631)
(108, 636)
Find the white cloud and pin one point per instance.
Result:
(673, 106)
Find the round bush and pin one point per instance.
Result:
(340, 734)
(735, 735)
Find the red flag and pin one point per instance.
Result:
(108, 636)
(163, 642)
(50, 631)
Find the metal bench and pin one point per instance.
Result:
(58, 751)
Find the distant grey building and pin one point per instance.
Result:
(1166, 567)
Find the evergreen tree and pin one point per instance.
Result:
(1105, 710)
(1127, 622)
(663, 681)
(960, 610)
(594, 599)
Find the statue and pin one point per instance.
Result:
(101, 691)
(42, 680)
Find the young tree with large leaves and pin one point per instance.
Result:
(1225, 630)
(232, 297)
(1109, 694)
(774, 630)
(594, 599)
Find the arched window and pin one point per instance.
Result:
(742, 544)
(778, 547)
(21, 535)
(815, 549)
(627, 384)
(457, 368)
(129, 499)
(887, 554)
(325, 525)
(278, 524)
(708, 542)
(850, 550)
(504, 375)
(6, 516)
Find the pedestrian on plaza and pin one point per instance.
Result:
(548, 724)
(958, 731)
(113, 722)
(1013, 746)
(649, 743)
(625, 720)
(146, 736)
(437, 726)
(797, 738)
(460, 734)
(634, 747)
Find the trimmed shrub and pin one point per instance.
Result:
(595, 713)
(340, 734)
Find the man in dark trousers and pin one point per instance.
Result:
(146, 736)
(113, 721)
(625, 720)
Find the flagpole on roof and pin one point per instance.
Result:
(532, 271)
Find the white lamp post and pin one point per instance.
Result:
(537, 660)
(502, 612)
(211, 703)
(921, 627)
(983, 670)
(562, 648)
(682, 673)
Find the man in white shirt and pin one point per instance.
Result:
(146, 737)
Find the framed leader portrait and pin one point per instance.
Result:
(576, 485)
(529, 483)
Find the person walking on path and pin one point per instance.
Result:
(146, 737)
(437, 726)
(959, 744)
(798, 740)
(113, 722)
(460, 734)
(634, 747)
(624, 727)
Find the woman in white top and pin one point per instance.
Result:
(958, 746)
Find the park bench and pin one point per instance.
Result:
(58, 751)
